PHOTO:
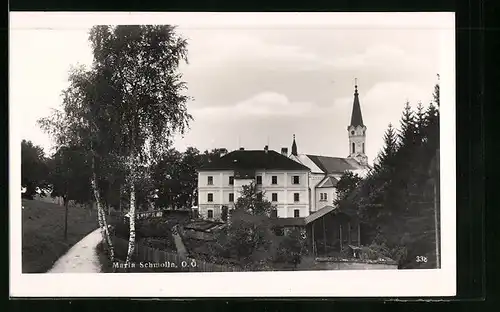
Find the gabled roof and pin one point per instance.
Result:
(254, 160)
(334, 164)
(318, 214)
(306, 161)
(328, 181)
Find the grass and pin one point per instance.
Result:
(43, 233)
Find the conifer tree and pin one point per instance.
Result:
(386, 156)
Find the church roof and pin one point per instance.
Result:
(243, 160)
(334, 164)
(356, 117)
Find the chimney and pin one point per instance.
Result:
(284, 151)
(266, 148)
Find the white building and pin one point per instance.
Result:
(284, 181)
(326, 170)
(297, 184)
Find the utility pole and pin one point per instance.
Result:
(436, 207)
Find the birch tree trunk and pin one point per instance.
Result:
(101, 216)
(131, 241)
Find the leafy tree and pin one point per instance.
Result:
(224, 213)
(166, 176)
(82, 122)
(249, 236)
(292, 248)
(139, 64)
(253, 201)
(247, 239)
(346, 184)
(69, 178)
(33, 169)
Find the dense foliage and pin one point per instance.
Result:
(33, 169)
(400, 195)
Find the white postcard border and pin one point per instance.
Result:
(367, 283)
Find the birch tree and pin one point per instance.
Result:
(147, 104)
(80, 122)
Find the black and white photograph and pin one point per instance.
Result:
(232, 154)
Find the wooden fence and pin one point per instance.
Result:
(145, 254)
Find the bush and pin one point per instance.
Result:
(379, 249)
(145, 228)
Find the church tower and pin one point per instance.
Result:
(357, 132)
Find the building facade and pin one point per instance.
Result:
(285, 183)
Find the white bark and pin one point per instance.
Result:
(131, 213)
(101, 217)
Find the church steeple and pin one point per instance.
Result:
(356, 117)
(357, 131)
(294, 147)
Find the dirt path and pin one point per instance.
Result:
(81, 258)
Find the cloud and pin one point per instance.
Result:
(264, 104)
(227, 49)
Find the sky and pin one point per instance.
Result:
(254, 83)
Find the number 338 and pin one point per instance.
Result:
(421, 259)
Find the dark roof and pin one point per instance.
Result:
(356, 118)
(201, 225)
(288, 222)
(332, 164)
(253, 160)
(318, 214)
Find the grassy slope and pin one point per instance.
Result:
(43, 233)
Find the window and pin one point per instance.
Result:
(259, 196)
(274, 213)
(352, 132)
(296, 197)
(353, 149)
(274, 180)
(296, 180)
(259, 180)
(210, 180)
(274, 197)
(323, 196)
(231, 197)
(231, 180)
(210, 197)
(363, 148)
(210, 214)
(296, 213)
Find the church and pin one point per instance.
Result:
(326, 170)
(299, 185)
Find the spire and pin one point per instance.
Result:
(356, 118)
(294, 147)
